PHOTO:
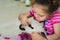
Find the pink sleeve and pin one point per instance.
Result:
(31, 12)
(56, 17)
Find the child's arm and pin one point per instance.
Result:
(24, 18)
(56, 25)
(56, 34)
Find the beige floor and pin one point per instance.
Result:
(9, 11)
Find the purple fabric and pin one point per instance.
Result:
(32, 13)
(25, 35)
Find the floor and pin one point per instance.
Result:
(9, 11)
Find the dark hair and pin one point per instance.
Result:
(53, 4)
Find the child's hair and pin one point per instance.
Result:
(53, 4)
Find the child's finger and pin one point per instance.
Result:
(24, 23)
(27, 22)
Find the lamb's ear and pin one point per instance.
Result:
(31, 26)
(21, 28)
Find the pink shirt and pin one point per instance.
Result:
(50, 21)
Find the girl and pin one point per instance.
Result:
(44, 10)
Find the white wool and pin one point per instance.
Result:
(38, 27)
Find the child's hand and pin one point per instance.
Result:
(24, 20)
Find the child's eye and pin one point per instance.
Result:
(41, 15)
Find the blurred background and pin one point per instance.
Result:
(9, 11)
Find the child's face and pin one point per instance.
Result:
(40, 12)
